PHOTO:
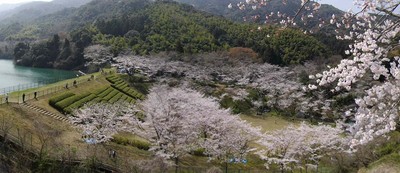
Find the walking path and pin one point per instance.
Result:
(44, 112)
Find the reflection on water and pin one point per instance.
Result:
(11, 75)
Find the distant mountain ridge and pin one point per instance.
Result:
(220, 7)
(27, 12)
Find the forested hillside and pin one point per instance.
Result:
(220, 7)
(146, 27)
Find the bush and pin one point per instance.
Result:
(129, 99)
(140, 144)
(111, 95)
(237, 106)
(115, 98)
(58, 98)
(106, 92)
(114, 79)
(61, 105)
(344, 100)
(131, 92)
(123, 98)
(79, 103)
(141, 116)
(100, 90)
(227, 102)
(96, 100)
(199, 152)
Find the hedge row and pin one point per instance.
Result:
(121, 85)
(115, 98)
(130, 100)
(61, 105)
(58, 98)
(96, 100)
(79, 103)
(111, 95)
(114, 79)
(130, 92)
(123, 98)
(143, 145)
(100, 90)
(105, 92)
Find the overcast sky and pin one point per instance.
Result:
(341, 4)
(17, 1)
(344, 5)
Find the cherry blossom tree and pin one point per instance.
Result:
(97, 55)
(375, 30)
(374, 27)
(180, 120)
(99, 122)
(300, 146)
(280, 84)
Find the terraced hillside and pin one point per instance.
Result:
(117, 91)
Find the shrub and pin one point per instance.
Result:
(242, 106)
(111, 95)
(106, 92)
(100, 90)
(114, 79)
(141, 116)
(227, 102)
(344, 100)
(123, 98)
(60, 97)
(79, 103)
(116, 98)
(129, 99)
(96, 100)
(140, 144)
(199, 152)
(61, 105)
(131, 92)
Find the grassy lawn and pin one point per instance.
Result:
(268, 123)
(388, 164)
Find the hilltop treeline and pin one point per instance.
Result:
(169, 26)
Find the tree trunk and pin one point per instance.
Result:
(226, 167)
(176, 164)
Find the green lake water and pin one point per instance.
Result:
(14, 76)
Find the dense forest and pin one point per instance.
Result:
(144, 28)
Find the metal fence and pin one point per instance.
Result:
(15, 94)
(21, 87)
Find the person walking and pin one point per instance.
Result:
(23, 98)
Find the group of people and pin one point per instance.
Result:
(23, 97)
(35, 94)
